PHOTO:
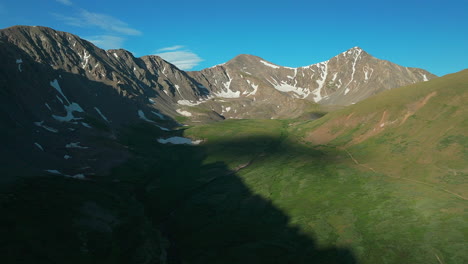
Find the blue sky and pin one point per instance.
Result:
(197, 34)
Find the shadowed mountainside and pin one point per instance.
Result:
(160, 207)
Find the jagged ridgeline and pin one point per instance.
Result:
(59, 90)
(108, 158)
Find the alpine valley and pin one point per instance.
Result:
(109, 158)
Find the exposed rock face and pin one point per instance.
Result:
(62, 97)
(61, 93)
(344, 79)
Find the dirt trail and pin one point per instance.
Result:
(412, 108)
(425, 183)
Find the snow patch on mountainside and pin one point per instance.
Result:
(424, 77)
(56, 85)
(39, 146)
(102, 115)
(357, 53)
(73, 107)
(142, 116)
(221, 64)
(85, 57)
(184, 113)
(178, 140)
(75, 145)
(189, 103)
(286, 87)
(158, 115)
(19, 61)
(54, 172)
(50, 129)
(366, 73)
(270, 65)
(70, 108)
(255, 87)
(227, 92)
(323, 67)
(86, 125)
(79, 176)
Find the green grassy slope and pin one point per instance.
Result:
(419, 132)
(338, 204)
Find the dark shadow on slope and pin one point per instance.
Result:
(204, 210)
(33, 140)
(208, 213)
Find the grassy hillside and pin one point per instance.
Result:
(339, 204)
(418, 132)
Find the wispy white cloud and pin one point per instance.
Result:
(106, 41)
(85, 18)
(183, 59)
(176, 47)
(65, 2)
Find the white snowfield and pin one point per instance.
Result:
(357, 54)
(19, 61)
(255, 88)
(79, 176)
(285, 87)
(178, 140)
(70, 108)
(142, 115)
(323, 66)
(270, 65)
(50, 129)
(301, 92)
(75, 145)
(86, 125)
(73, 107)
(189, 103)
(184, 113)
(100, 113)
(56, 85)
(227, 92)
(39, 146)
(424, 77)
(158, 115)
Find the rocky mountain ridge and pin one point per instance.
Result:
(344, 79)
(62, 97)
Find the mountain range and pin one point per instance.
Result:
(59, 89)
(110, 158)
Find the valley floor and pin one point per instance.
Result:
(255, 191)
